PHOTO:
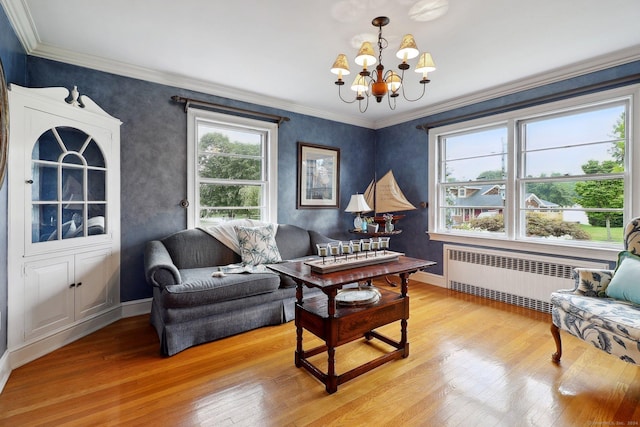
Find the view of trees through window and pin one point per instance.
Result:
(230, 174)
(569, 176)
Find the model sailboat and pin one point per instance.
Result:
(385, 196)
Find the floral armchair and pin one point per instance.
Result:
(603, 308)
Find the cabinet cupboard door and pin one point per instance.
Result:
(94, 278)
(48, 295)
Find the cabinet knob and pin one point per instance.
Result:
(79, 284)
(29, 181)
(72, 285)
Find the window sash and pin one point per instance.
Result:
(516, 180)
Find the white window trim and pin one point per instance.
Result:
(271, 190)
(510, 241)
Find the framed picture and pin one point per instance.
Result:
(318, 176)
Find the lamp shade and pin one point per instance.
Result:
(357, 203)
(366, 55)
(360, 84)
(408, 48)
(425, 64)
(393, 82)
(341, 66)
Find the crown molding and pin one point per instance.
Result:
(22, 23)
(179, 81)
(600, 63)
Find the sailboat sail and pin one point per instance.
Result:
(388, 196)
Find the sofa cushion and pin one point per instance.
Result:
(625, 284)
(195, 248)
(619, 317)
(198, 287)
(258, 245)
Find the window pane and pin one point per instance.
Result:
(573, 225)
(72, 138)
(565, 161)
(72, 184)
(46, 148)
(93, 155)
(209, 216)
(477, 155)
(230, 196)
(577, 128)
(224, 167)
(44, 222)
(45, 182)
(96, 185)
(586, 194)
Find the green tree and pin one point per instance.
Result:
(601, 194)
(220, 158)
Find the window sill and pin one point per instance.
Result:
(605, 253)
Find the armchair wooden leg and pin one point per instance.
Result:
(555, 332)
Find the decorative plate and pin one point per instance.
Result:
(358, 296)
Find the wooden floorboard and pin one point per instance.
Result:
(472, 362)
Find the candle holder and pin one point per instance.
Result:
(334, 250)
(347, 248)
(366, 247)
(384, 244)
(356, 247)
(323, 250)
(375, 245)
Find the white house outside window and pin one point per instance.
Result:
(560, 173)
(231, 167)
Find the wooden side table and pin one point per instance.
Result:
(337, 325)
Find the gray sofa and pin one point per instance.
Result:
(191, 307)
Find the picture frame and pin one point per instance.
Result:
(318, 176)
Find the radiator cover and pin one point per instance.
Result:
(520, 279)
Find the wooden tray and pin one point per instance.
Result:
(345, 262)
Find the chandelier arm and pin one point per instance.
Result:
(344, 100)
(404, 95)
(392, 107)
(365, 106)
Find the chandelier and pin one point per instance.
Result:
(382, 83)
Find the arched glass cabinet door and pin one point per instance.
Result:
(69, 186)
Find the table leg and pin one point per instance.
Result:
(299, 350)
(332, 379)
(404, 289)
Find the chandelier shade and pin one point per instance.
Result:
(381, 83)
(341, 66)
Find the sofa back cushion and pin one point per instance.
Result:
(293, 242)
(194, 248)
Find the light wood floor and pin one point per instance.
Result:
(472, 362)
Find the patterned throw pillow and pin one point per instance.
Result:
(258, 245)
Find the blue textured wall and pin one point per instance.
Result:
(14, 62)
(153, 155)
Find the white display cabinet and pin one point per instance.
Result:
(64, 219)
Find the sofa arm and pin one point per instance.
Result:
(158, 266)
(591, 282)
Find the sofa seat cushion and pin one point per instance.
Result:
(198, 287)
(619, 317)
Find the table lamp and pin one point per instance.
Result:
(358, 205)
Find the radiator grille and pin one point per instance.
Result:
(546, 268)
(505, 297)
(514, 278)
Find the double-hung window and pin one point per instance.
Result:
(232, 167)
(561, 173)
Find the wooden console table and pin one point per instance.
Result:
(337, 325)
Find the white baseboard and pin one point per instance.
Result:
(5, 370)
(136, 308)
(430, 278)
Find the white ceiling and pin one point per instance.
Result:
(278, 53)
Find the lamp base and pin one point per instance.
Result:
(357, 223)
